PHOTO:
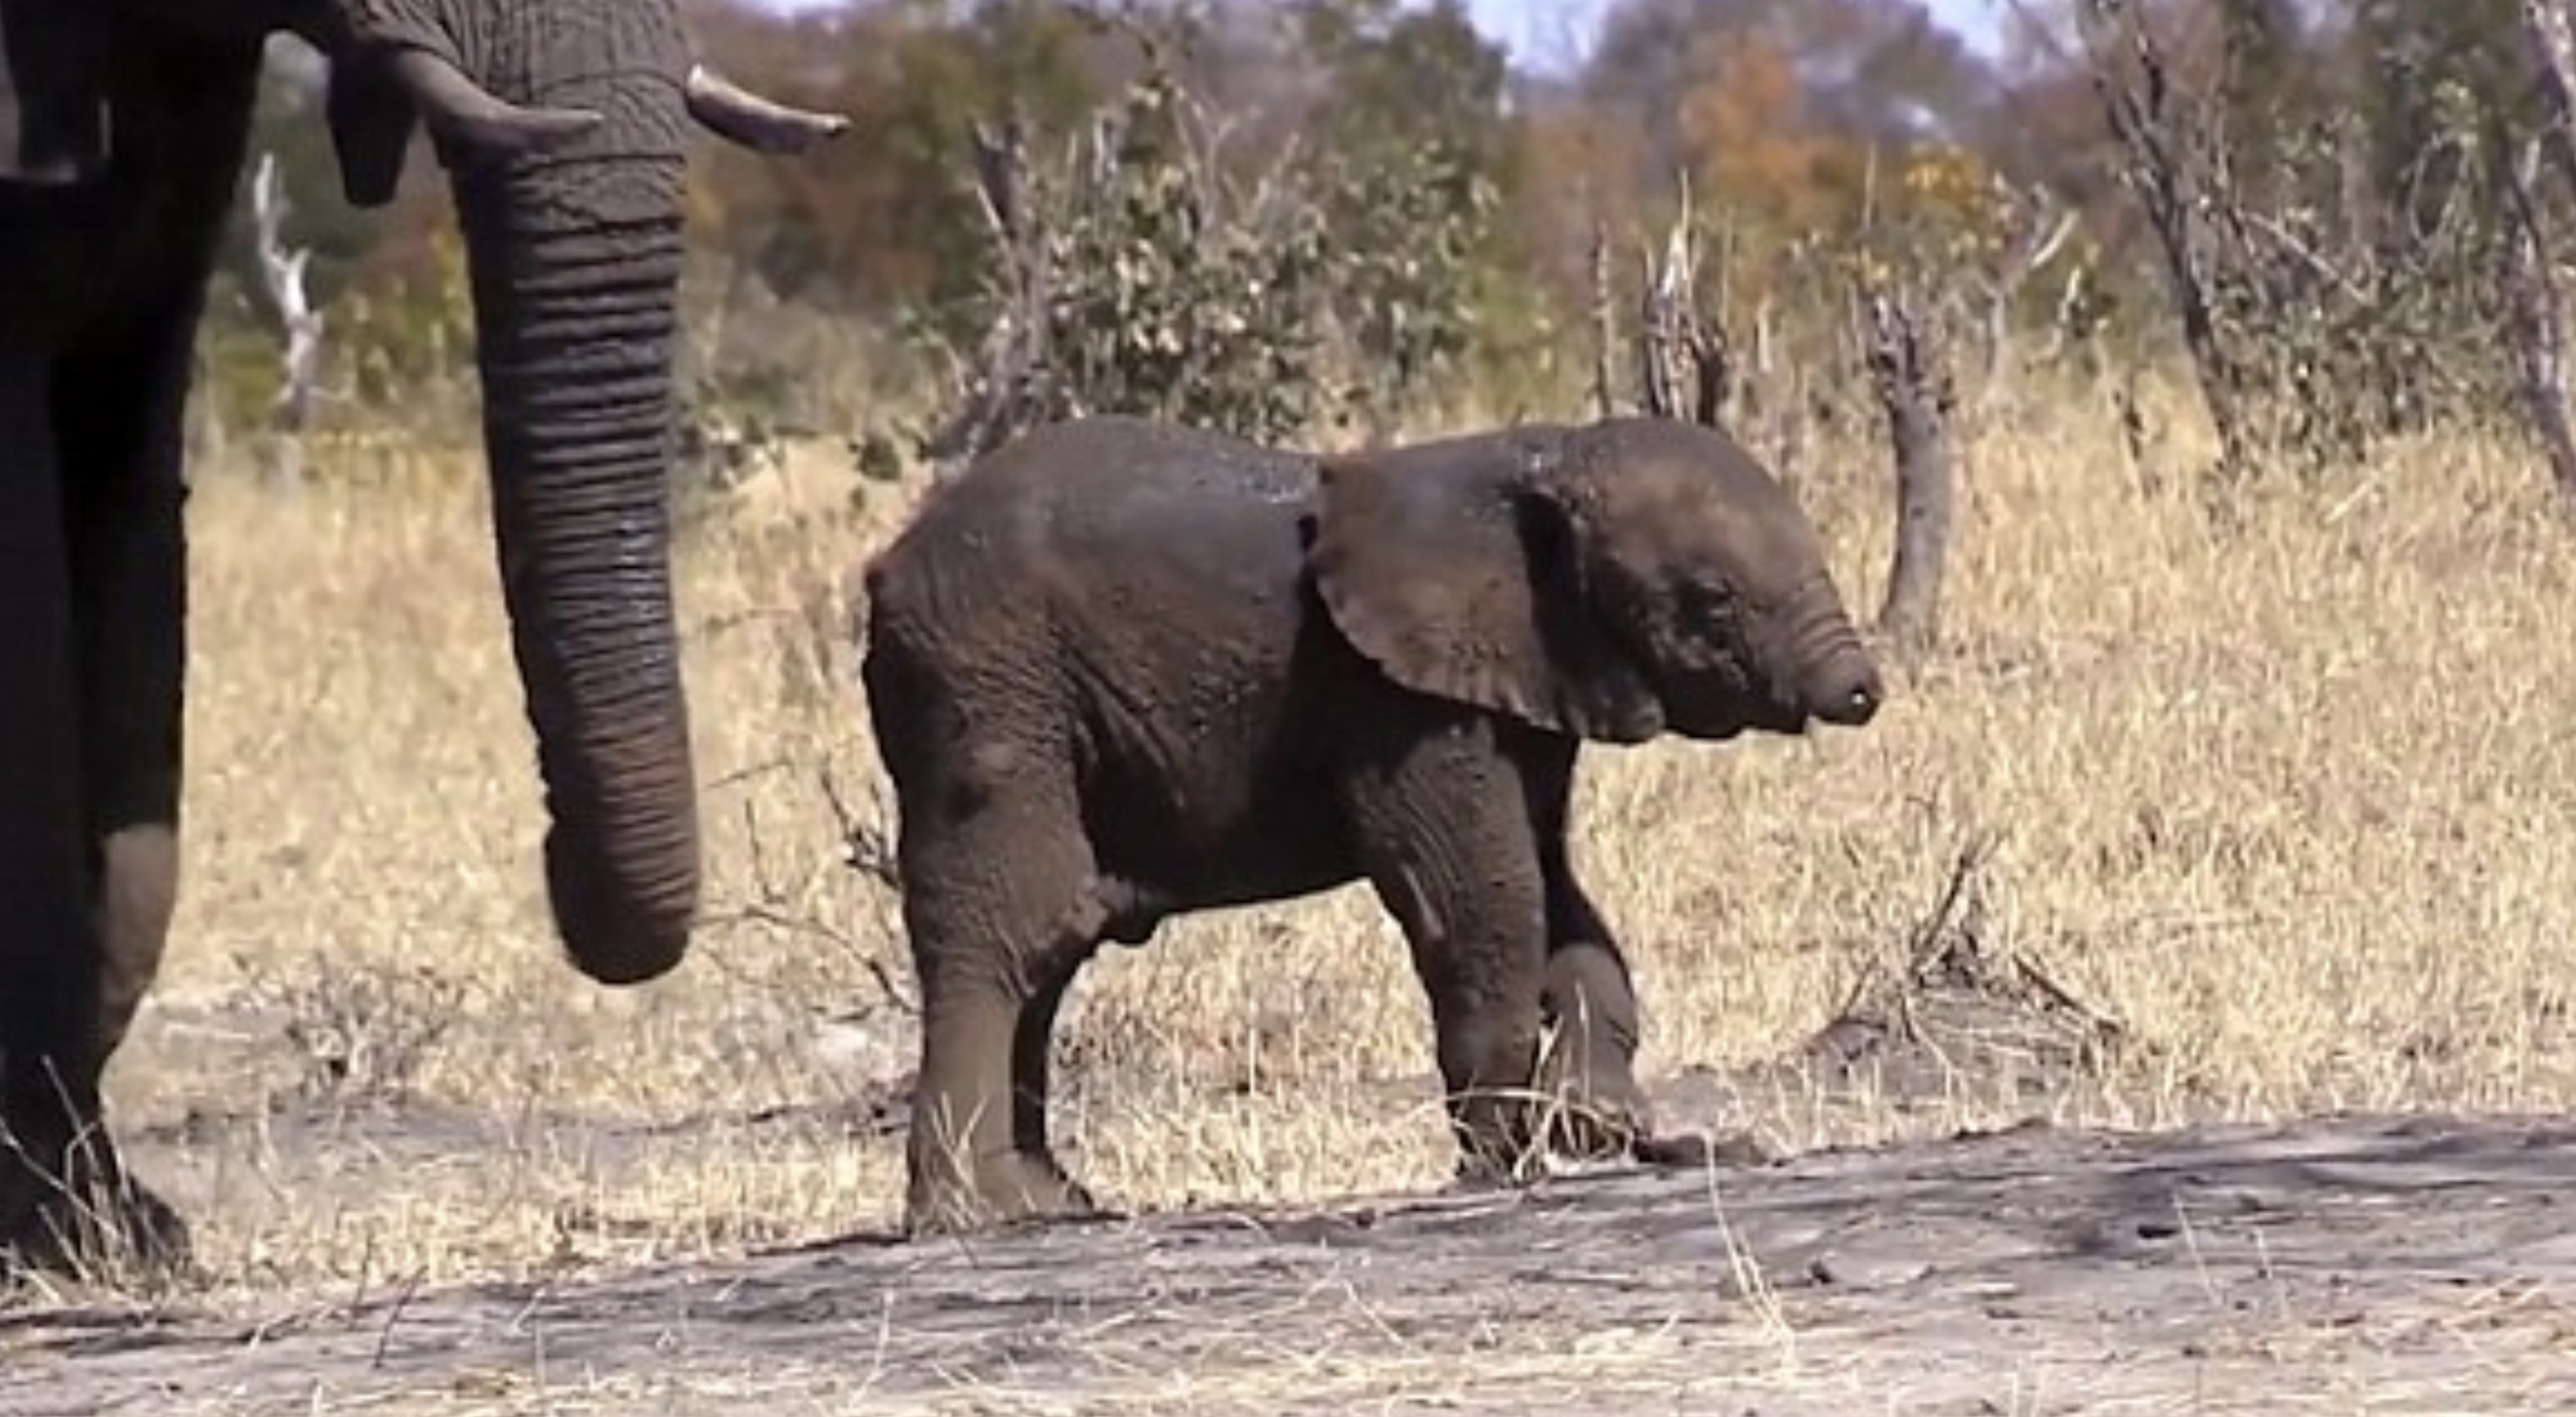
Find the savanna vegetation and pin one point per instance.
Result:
(2213, 345)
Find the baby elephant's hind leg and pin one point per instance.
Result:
(999, 903)
(1033, 1041)
(1587, 1072)
(1597, 1109)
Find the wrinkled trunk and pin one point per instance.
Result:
(1831, 674)
(575, 267)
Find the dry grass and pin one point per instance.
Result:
(2286, 798)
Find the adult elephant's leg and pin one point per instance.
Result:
(52, 1156)
(119, 406)
(1443, 838)
(116, 406)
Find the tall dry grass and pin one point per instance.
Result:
(2288, 797)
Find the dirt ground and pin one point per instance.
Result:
(2355, 1264)
(2358, 1263)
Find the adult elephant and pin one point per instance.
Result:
(122, 129)
(1121, 670)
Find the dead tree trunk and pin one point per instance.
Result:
(282, 272)
(1916, 394)
(1678, 351)
(2546, 27)
(2538, 332)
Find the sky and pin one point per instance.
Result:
(1540, 31)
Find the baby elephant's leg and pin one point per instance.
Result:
(1033, 1040)
(1598, 1109)
(999, 903)
(1588, 1075)
(1445, 844)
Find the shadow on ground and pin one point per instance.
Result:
(2392, 1264)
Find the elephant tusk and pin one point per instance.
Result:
(457, 108)
(740, 116)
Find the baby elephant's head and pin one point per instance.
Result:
(1712, 581)
(1618, 580)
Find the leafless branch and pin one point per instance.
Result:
(1676, 348)
(282, 275)
(867, 844)
(1605, 324)
(2178, 174)
(2040, 244)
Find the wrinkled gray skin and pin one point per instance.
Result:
(122, 127)
(1121, 670)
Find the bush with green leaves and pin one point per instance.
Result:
(1139, 267)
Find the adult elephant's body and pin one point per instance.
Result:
(1122, 670)
(122, 131)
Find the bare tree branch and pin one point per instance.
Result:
(2040, 244)
(282, 274)
(1676, 348)
(2177, 174)
(1605, 324)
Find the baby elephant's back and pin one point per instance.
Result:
(1131, 496)
(1135, 516)
(1132, 528)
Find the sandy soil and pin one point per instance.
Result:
(2353, 1264)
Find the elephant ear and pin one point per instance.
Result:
(372, 120)
(53, 96)
(1457, 570)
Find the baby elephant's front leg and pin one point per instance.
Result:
(1446, 847)
(1480, 953)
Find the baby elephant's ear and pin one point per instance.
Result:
(1455, 571)
(53, 101)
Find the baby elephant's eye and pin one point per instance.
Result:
(1701, 603)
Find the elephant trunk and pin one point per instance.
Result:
(575, 283)
(1832, 675)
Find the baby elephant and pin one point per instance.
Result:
(1120, 669)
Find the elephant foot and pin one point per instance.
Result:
(1596, 1124)
(1502, 1141)
(1013, 1190)
(112, 1233)
(1593, 1112)
(1611, 1124)
(1698, 1151)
